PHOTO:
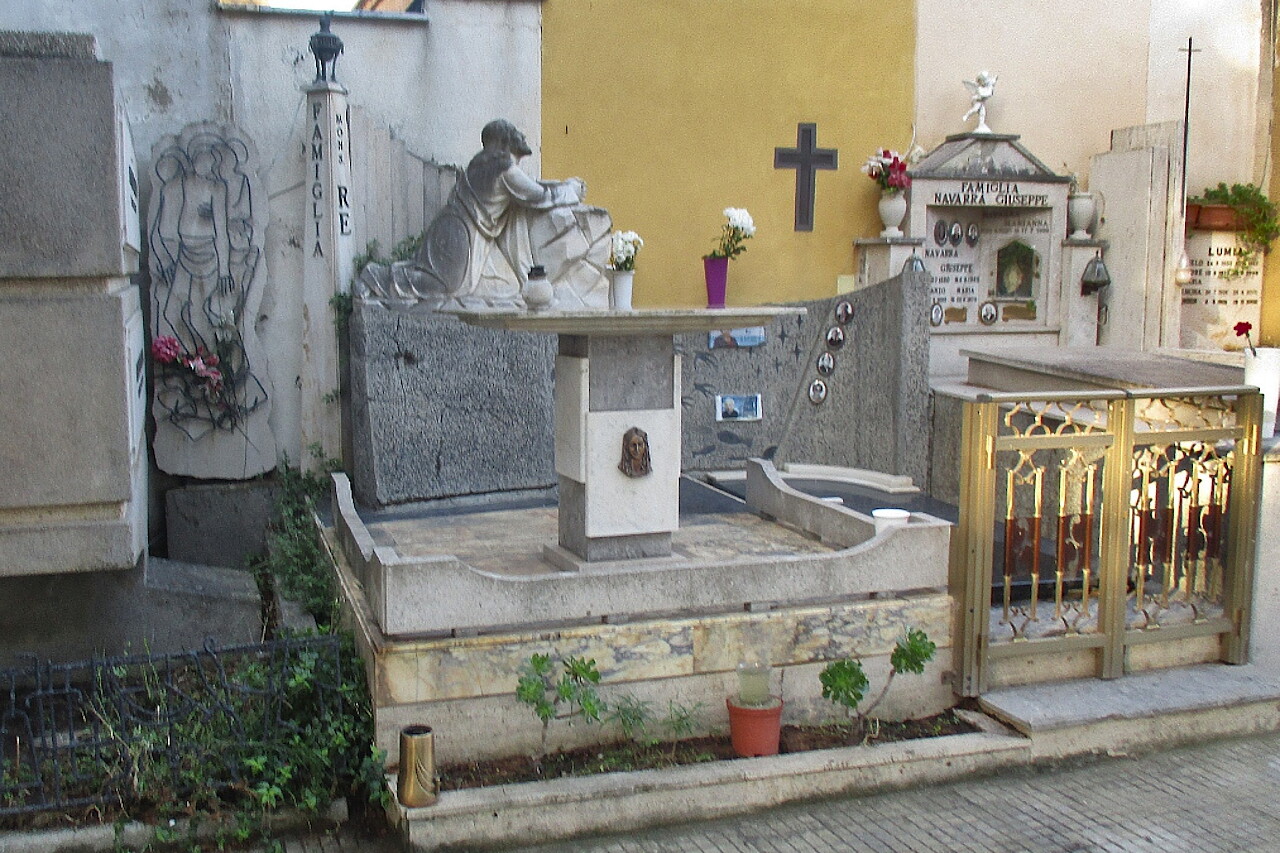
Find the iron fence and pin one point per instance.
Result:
(128, 729)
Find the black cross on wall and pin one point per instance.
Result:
(806, 158)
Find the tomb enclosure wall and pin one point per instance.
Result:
(425, 386)
(177, 62)
(72, 381)
(464, 687)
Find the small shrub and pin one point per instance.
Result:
(845, 682)
(570, 696)
(633, 716)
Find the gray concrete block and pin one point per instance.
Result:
(63, 171)
(67, 382)
(222, 524)
(629, 374)
(160, 607)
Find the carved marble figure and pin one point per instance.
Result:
(496, 225)
(980, 91)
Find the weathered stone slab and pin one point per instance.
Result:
(70, 182)
(221, 524)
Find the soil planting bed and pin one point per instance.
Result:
(630, 755)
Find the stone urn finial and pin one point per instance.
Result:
(325, 47)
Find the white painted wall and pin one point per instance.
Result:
(435, 84)
(1072, 72)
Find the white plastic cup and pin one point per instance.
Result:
(888, 518)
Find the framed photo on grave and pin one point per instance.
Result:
(738, 407)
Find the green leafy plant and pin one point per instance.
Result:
(570, 694)
(295, 558)
(408, 247)
(368, 256)
(342, 304)
(681, 721)
(633, 716)
(1256, 212)
(845, 682)
(240, 738)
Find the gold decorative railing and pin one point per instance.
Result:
(1094, 521)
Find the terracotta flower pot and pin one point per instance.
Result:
(755, 731)
(1216, 217)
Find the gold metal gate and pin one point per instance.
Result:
(1103, 520)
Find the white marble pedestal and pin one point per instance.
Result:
(616, 370)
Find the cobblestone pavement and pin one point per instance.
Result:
(1216, 798)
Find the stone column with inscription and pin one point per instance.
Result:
(328, 257)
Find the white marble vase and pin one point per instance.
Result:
(1263, 370)
(893, 207)
(620, 282)
(1081, 208)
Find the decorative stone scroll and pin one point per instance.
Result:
(212, 390)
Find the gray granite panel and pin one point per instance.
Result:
(631, 373)
(441, 409)
(875, 412)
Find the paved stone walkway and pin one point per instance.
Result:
(1217, 798)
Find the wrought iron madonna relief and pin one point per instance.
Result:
(205, 257)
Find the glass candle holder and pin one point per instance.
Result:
(753, 684)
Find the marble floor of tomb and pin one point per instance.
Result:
(510, 541)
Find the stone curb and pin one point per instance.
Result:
(617, 802)
(136, 836)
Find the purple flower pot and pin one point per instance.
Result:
(717, 273)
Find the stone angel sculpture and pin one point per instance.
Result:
(980, 91)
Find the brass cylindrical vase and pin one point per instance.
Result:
(416, 781)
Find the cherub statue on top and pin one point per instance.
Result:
(981, 91)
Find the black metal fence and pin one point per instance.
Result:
(129, 729)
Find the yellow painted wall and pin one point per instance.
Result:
(1269, 334)
(670, 110)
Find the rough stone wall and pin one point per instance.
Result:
(440, 409)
